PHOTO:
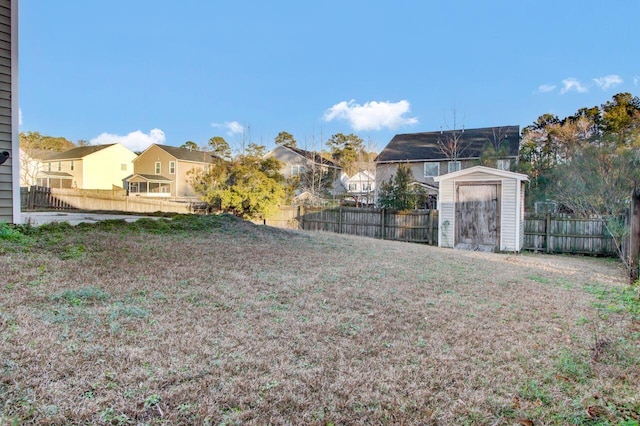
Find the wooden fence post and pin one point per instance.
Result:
(340, 220)
(32, 194)
(634, 236)
(547, 231)
(382, 219)
(430, 229)
(300, 218)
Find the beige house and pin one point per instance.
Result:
(481, 208)
(10, 167)
(87, 167)
(163, 171)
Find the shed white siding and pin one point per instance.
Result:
(511, 204)
(446, 214)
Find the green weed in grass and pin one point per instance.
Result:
(10, 233)
(573, 366)
(82, 295)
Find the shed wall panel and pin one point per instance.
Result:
(447, 214)
(509, 214)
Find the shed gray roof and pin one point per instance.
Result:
(425, 146)
(75, 153)
(187, 154)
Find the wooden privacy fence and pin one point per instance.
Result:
(562, 234)
(101, 200)
(551, 233)
(40, 197)
(420, 226)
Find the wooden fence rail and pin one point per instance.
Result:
(419, 226)
(544, 233)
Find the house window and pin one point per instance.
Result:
(172, 167)
(366, 187)
(297, 170)
(123, 167)
(59, 166)
(431, 169)
(353, 187)
(71, 166)
(454, 166)
(48, 167)
(504, 164)
(158, 169)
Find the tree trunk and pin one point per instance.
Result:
(634, 236)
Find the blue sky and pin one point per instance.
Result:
(144, 71)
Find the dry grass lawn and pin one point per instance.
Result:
(210, 320)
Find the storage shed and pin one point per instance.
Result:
(481, 209)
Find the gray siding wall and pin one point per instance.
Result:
(7, 103)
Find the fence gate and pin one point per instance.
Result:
(477, 217)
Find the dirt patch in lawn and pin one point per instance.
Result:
(216, 320)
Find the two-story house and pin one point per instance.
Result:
(300, 162)
(163, 171)
(431, 154)
(361, 187)
(87, 167)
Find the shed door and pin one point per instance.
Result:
(477, 217)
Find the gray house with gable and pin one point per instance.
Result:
(432, 154)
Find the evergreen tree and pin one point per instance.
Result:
(400, 192)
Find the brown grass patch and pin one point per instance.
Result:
(240, 324)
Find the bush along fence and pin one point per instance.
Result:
(551, 233)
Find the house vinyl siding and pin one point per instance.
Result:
(289, 159)
(102, 169)
(385, 171)
(10, 170)
(144, 164)
(447, 214)
(183, 175)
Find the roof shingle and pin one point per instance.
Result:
(76, 153)
(425, 146)
(186, 154)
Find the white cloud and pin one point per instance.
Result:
(233, 127)
(372, 115)
(636, 79)
(570, 84)
(608, 81)
(546, 88)
(19, 117)
(135, 141)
